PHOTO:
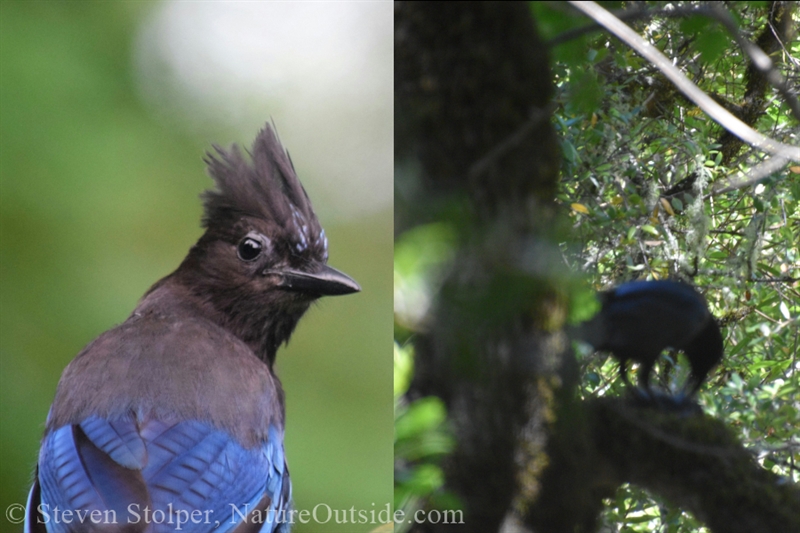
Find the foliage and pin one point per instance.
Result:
(643, 174)
(639, 174)
(421, 437)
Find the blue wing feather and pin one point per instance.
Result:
(119, 439)
(181, 467)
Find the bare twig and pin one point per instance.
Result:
(635, 13)
(685, 85)
(760, 60)
(714, 11)
(760, 172)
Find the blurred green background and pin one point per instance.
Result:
(106, 110)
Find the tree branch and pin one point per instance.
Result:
(685, 85)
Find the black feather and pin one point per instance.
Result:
(266, 188)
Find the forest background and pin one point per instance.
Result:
(650, 188)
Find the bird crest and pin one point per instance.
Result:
(265, 187)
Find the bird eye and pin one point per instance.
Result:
(249, 249)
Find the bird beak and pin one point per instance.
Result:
(326, 282)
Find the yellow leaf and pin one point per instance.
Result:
(594, 119)
(654, 216)
(580, 208)
(667, 207)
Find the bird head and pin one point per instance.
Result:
(704, 353)
(263, 257)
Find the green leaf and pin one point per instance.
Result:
(694, 24)
(403, 368)
(712, 43)
(585, 92)
(423, 415)
(717, 255)
(647, 228)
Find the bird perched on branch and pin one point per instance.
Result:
(638, 320)
(174, 419)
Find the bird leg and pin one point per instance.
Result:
(623, 372)
(645, 369)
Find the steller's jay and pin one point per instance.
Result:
(174, 419)
(638, 320)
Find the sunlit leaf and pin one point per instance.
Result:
(647, 228)
(667, 207)
(580, 208)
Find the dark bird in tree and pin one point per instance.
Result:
(175, 419)
(638, 320)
